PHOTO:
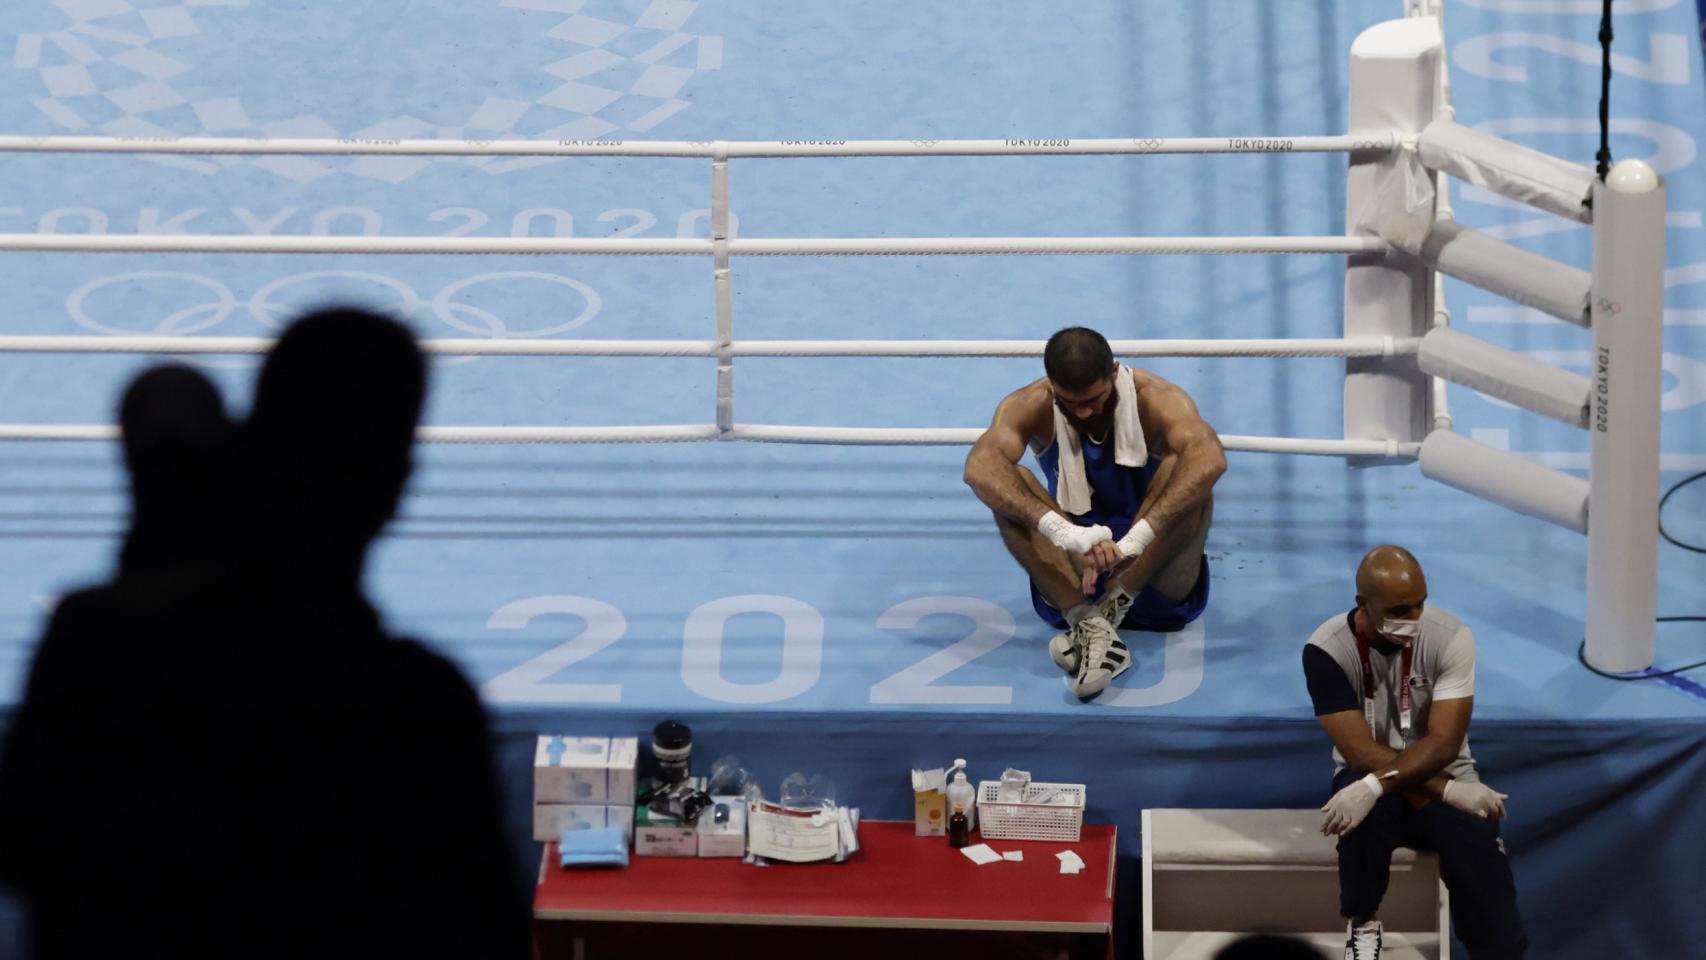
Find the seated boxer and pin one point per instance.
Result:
(1114, 535)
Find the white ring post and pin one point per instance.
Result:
(1440, 313)
(1393, 81)
(721, 284)
(1623, 507)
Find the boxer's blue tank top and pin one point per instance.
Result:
(1116, 492)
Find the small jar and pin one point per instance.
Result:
(672, 747)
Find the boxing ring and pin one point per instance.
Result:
(574, 654)
(1397, 305)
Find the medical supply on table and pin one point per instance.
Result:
(582, 780)
(962, 799)
(672, 748)
(603, 847)
(930, 802)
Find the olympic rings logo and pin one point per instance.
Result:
(210, 303)
(1147, 143)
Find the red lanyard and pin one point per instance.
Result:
(1403, 686)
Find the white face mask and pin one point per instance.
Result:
(1401, 631)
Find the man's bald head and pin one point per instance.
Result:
(1390, 587)
(1388, 572)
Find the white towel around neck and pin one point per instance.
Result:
(1072, 488)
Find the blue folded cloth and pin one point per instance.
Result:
(601, 847)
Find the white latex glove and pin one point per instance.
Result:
(1140, 536)
(1350, 805)
(1069, 536)
(1476, 798)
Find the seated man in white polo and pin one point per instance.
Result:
(1393, 683)
(1116, 539)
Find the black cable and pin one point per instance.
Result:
(1691, 548)
(1604, 154)
(1648, 674)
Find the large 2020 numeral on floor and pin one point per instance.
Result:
(703, 658)
(527, 683)
(702, 649)
(993, 626)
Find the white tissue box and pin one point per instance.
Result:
(723, 839)
(585, 770)
(551, 819)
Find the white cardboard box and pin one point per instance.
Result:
(723, 839)
(585, 770)
(666, 841)
(550, 819)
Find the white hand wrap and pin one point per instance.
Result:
(1069, 536)
(1137, 539)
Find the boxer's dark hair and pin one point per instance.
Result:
(1078, 358)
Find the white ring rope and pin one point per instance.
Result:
(720, 247)
(776, 247)
(1354, 347)
(760, 433)
(1384, 140)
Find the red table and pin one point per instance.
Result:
(896, 882)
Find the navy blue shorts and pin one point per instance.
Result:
(1149, 610)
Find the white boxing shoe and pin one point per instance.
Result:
(1102, 658)
(1114, 605)
(1066, 649)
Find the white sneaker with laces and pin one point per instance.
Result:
(1103, 658)
(1362, 943)
(1066, 648)
(1113, 606)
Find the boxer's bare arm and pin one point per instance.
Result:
(1170, 416)
(992, 467)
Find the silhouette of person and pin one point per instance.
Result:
(397, 813)
(58, 767)
(177, 447)
(277, 776)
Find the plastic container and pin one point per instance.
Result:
(961, 797)
(1060, 818)
(672, 748)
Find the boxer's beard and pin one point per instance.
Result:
(1098, 425)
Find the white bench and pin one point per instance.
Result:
(1212, 876)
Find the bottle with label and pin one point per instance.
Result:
(959, 829)
(962, 807)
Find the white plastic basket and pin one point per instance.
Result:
(1031, 819)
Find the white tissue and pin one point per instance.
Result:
(924, 780)
(980, 854)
